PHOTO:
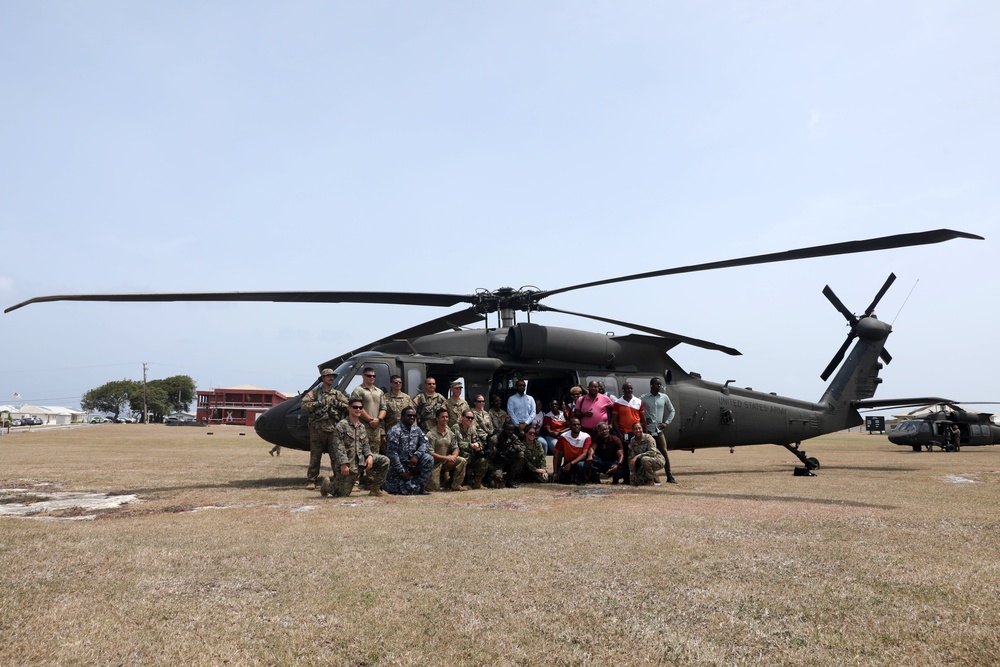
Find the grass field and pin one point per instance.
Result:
(887, 557)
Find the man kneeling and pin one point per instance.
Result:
(352, 451)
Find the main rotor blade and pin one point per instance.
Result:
(837, 358)
(881, 293)
(839, 305)
(846, 248)
(394, 298)
(696, 342)
(454, 320)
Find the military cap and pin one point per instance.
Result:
(327, 371)
(456, 383)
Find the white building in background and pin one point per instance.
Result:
(50, 415)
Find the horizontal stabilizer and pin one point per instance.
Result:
(898, 402)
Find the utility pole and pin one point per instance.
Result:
(145, 410)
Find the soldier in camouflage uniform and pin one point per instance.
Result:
(506, 455)
(350, 438)
(535, 468)
(643, 457)
(410, 462)
(484, 424)
(395, 402)
(471, 448)
(326, 407)
(456, 404)
(498, 415)
(444, 449)
(374, 408)
(427, 403)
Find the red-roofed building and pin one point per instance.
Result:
(236, 405)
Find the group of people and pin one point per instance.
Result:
(388, 442)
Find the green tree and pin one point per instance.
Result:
(180, 390)
(113, 397)
(157, 402)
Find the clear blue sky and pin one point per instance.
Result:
(446, 146)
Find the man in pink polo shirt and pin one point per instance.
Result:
(592, 409)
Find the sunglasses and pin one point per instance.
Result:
(355, 407)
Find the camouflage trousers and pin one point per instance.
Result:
(644, 471)
(375, 440)
(343, 485)
(506, 470)
(398, 486)
(447, 474)
(320, 443)
(475, 470)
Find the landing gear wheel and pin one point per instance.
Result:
(812, 463)
(916, 448)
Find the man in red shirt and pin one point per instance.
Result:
(569, 464)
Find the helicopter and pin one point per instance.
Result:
(553, 359)
(929, 427)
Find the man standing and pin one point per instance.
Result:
(627, 410)
(593, 409)
(326, 407)
(427, 403)
(444, 449)
(395, 402)
(497, 414)
(373, 412)
(521, 407)
(659, 412)
(455, 403)
(350, 438)
(643, 457)
(572, 450)
(410, 462)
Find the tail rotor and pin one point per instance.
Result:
(854, 320)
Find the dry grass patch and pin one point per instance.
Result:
(880, 560)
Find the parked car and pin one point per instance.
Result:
(98, 420)
(16, 422)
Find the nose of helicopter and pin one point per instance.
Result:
(271, 427)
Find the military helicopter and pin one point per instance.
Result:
(553, 359)
(929, 427)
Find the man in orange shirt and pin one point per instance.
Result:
(627, 410)
(569, 464)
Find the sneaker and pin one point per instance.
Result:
(324, 488)
(424, 492)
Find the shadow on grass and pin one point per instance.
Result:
(786, 499)
(275, 483)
